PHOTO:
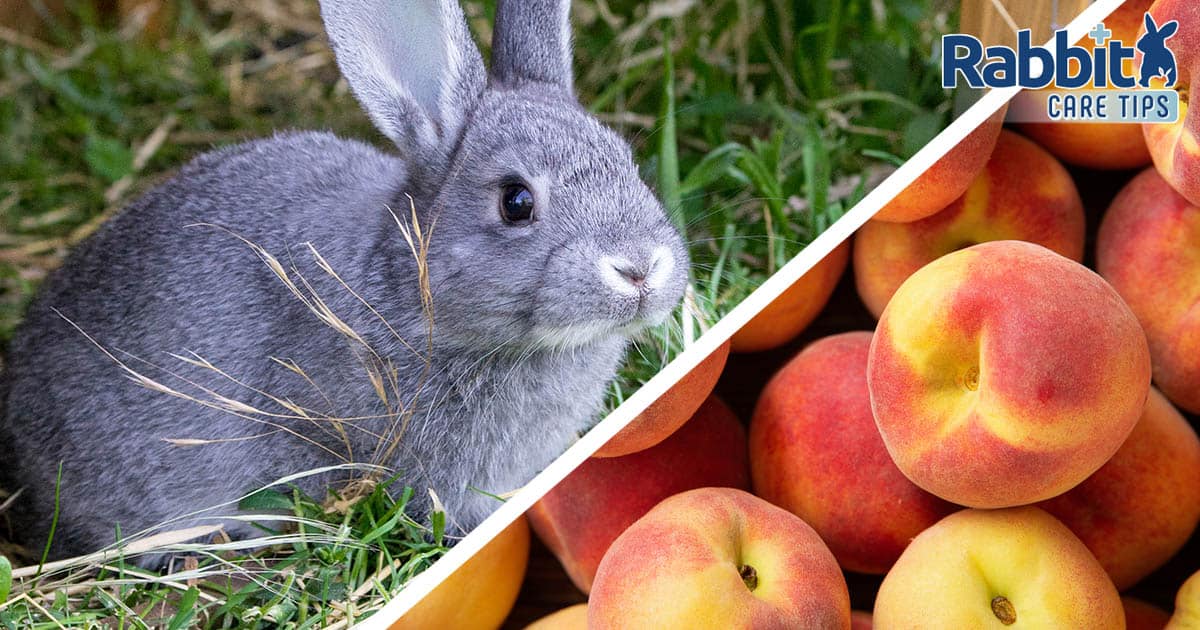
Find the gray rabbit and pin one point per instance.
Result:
(492, 274)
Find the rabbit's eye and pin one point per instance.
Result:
(516, 204)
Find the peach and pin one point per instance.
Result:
(569, 618)
(719, 558)
(815, 451)
(1023, 194)
(860, 620)
(666, 414)
(1142, 616)
(1004, 374)
(1139, 509)
(1187, 606)
(1176, 147)
(996, 568)
(948, 178)
(1108, 146)
(786, 317)
(480, 594)
(1149, 249)
(585, 513)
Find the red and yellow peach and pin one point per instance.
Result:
(1139, 509)
(1022, 194)
(1004, 374)
(994, 568)
(948, 178)
(1149, 249)
(815, 451)
(1176, 147)
(719, 558)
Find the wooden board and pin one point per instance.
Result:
(986, 18)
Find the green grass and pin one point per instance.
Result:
(759, 122)
(332, 563)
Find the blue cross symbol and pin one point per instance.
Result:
(1100, 35)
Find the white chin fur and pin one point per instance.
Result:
(572, 336)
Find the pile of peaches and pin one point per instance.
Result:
(1006, 447)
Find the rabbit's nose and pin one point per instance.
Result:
(622, 274)
(625, 276)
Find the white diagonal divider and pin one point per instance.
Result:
(841, 230)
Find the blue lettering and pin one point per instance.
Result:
(1117, 54)
(1027, 52)
(1100, 66)
(1001, 69)
(1054, 106)
(953, 64)
(1066, 53)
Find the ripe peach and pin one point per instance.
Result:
(1149, 249)
(994, 568)
(585, 513)
(1176, 147)
(719, 558)
(480, 594)
(948, 178)
(1004, 374)
(666, 414)
(1139, 509)
(1098, 145)
(1023, 194)
(815, 451)
(796, 308)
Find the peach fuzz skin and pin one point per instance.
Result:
(581, 516)
(666, 414)
(1023, 193)
(948, 178)
(1140, 508)
(977, 568)
(1149, 249)
(719, 558)
(841, 482)
(1105, 146)
(786, 317)
(1176, 147)
(1004, 374)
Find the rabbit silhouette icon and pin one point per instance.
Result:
(1157, 59)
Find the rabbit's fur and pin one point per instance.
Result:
(530, 320)
(1157, 59)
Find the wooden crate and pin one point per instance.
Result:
(993, 21)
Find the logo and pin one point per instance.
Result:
(1074, 83)
(1157, 59)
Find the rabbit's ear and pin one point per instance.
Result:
(1168, 29)
(532, 42)
(1151, 27)
(412, 65)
